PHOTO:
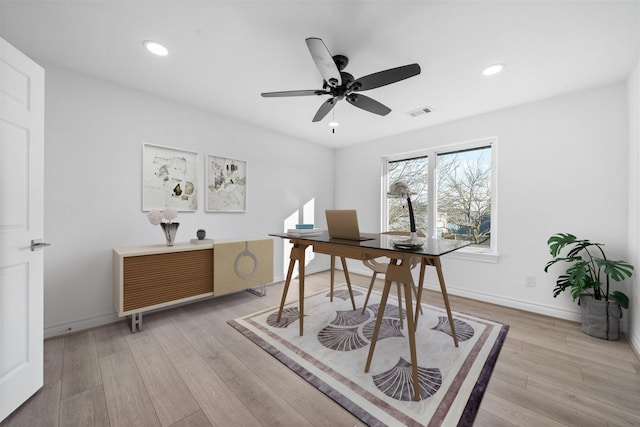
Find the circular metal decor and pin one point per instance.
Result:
(244, 253)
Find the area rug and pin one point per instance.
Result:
(333, 351)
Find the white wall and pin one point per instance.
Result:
(562, 167)
(93, 159)
(633, 88)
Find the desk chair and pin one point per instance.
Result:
(379, 266)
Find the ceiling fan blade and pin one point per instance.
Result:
(368, 104)
(324, 109)
(383, 78)
(324, 61)
(294, 93)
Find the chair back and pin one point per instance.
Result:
(381, 267)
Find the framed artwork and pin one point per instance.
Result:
(226, 185)
(169, 178)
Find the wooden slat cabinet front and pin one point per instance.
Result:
(151, 277)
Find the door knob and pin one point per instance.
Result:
(35, 245)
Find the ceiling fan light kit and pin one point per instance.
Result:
(339, 84)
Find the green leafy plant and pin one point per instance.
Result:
(587, 265)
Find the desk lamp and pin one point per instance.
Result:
(400, 189)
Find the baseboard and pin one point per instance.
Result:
(502, 301)
(79, 325)
(75, 326)
(308, 270)
(511, 303)
(93, 322)
(634, 340)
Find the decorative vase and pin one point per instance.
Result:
(201, 234)
(170, 229)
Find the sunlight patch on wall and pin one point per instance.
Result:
(306, 216)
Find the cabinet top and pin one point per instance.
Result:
(157, 249)
(177, 247)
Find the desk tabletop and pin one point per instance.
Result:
(430, 246)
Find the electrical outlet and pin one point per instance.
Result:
(530, 281)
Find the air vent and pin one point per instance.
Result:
(420, 111)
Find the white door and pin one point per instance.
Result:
(21, 220)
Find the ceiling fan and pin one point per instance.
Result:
(339, 84)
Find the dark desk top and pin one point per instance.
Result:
(430, 247)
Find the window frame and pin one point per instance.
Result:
(469, 253)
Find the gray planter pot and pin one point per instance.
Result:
(600, 319)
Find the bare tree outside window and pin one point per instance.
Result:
(464, 195)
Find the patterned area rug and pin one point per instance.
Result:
(333, 351)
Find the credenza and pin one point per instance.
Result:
(153, 277)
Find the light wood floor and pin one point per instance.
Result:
(189, 368)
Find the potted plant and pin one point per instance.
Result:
(588, 275)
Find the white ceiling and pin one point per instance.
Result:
(223, 54)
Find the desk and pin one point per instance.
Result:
(380, 245)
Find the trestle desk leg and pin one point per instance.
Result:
(376, 329)
(301, 266)
(411, 331)
(423, 263)
(333, 273)
(287, 282)
(445, 297)
(346, 276)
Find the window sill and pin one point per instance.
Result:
(478, 255)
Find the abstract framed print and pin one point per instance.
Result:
(226, 185)
(169, 178)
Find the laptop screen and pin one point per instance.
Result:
(343, 224)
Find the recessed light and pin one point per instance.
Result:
(334, 124)
(493, 69)
(156, 48)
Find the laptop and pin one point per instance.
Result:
(343, 224)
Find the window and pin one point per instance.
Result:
(452, 194)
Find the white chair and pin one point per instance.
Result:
(379, 266)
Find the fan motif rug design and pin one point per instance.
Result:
(333, 351)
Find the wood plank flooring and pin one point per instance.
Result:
(188, 367)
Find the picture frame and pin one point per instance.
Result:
(226, 189)
(169, 178)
